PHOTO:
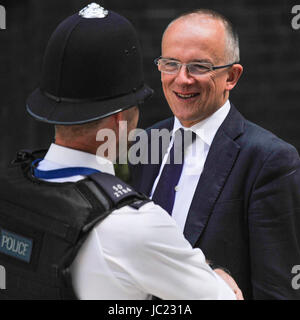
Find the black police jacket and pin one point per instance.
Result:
(43, 225)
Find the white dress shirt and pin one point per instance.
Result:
(134, 254)
(195, 157)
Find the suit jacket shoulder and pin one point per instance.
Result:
(262, 139)
(164, 124)
(252, 138)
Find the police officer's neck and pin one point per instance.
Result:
(85, 147)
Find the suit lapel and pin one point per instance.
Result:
(220, 160)
(148, 177)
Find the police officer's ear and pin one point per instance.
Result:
(127, 114)
(234, 74)
(117, 117)
(115, 120)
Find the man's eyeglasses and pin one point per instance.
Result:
(194, 68)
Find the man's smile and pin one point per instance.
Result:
(186, 95)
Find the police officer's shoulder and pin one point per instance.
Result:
(136, 229)
(112, 192)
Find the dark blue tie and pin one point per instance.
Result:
(164, 194)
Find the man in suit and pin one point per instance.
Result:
(239, 202)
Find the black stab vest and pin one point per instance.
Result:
(43, 225)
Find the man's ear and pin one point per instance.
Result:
(120, 116)
(114, 119)
(233, 76)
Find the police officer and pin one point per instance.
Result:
(95, 238)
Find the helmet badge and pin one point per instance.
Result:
(93, 10)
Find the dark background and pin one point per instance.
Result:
(267, 93)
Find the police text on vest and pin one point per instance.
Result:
(15, 245)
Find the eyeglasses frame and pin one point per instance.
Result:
(156, 62)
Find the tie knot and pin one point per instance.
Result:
(182, 139)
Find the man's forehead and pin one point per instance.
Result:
(195, 24)
(195, 30)
(201, 36)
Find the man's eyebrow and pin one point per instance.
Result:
(202, 60)
(170, 58)
(194, 60)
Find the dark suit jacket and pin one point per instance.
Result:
(245, 213)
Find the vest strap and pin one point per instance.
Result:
(118, 191)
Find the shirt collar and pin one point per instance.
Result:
(207, 128)
(67, 157)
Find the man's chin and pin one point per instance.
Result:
(188, 121)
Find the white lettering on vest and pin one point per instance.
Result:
(14, 245)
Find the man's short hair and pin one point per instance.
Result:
(71, 132)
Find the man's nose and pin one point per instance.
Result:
(183, 76)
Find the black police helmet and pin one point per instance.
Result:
(92, 68)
